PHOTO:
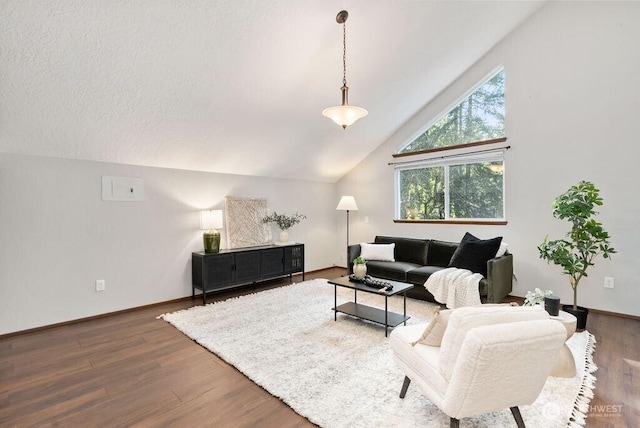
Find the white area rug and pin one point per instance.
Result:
(341, 374)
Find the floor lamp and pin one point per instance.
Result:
(347, 203)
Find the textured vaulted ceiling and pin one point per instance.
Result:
(231, 86)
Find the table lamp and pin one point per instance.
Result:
(210, 220)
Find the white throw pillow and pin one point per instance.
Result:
(503, 249)
(432, 335)
(382, 252)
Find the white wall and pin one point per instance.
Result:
(572, 103)
(58, 236)
(573, 97)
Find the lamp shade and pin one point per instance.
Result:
(347, 203)
(344, 115)
(210, 219)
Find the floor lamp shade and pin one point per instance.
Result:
(347, 203)
(210, 220)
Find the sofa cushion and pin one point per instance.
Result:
(418, 292)
(420, 274)
(384, 252)
(407, 249)
(396, 271)
(473, 253)
(418, 277)
(440, 252)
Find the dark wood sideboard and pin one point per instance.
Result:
(240, 266)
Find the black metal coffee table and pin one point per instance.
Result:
(386, 318)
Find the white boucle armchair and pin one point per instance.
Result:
(491, 358)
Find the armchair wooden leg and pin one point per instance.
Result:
(455, 423)
(517, 416)
(405, 385)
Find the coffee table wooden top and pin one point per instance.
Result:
(398, 287)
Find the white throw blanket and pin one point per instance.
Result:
(454, 287)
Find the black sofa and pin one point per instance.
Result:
(417, 259)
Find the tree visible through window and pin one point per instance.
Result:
(470, 186)
(478, 117)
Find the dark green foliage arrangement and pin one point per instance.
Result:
(284, 221)
(586, 239)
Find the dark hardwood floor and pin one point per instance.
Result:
(132, 369)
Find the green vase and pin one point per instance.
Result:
(211, 239)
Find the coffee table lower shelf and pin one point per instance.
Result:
(371, 314)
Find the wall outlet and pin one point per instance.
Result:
(366, 219)
(608, 282)
(100, 284)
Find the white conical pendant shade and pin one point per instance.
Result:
(344, 115)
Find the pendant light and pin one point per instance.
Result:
(344, 115)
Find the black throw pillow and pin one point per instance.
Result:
(474, 253)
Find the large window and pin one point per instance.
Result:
(468, 185)
(449, 190)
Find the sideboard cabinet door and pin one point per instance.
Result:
(294, 258)
(272, 262)
(247, 266)
(217, 271)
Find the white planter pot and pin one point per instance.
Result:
(359, 270)
(284, 236)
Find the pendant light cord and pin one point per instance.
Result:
(344, 54)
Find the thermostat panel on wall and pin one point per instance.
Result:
(122, 188)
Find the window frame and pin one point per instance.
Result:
(492, 155)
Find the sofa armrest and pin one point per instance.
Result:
(499, 278)
(353, 251)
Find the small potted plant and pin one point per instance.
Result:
(544, 299)
(536, 297)
(284, 222)
(586, 240)
(359, 267)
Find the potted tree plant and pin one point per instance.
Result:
(582, 244)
